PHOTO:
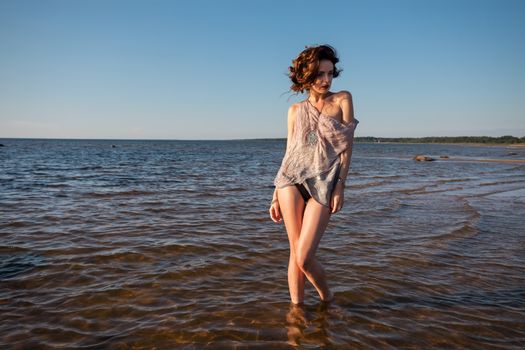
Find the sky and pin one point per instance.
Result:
(152, 69)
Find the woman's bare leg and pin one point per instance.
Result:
(292, 207)
(315, 220)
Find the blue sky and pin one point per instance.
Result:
(217, 69)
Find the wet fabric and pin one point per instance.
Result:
(312, 157)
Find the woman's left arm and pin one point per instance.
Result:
(347, 108)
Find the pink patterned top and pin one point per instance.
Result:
(312, 156)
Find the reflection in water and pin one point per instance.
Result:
(308, 325)
(296, 323)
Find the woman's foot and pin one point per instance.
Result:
(329, 298)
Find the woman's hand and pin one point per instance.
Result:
(338, 197)
(275, 211)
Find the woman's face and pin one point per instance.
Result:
(323, 81)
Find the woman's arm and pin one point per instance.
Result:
(275, 211)
(347, 108)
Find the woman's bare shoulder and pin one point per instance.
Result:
(292, 111)
(344, 101)
(342, 95)
(294, 107)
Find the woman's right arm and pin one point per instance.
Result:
(275, 211)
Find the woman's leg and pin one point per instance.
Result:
(315, 220)
(292, 207)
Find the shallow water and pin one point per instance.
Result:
(168, 244)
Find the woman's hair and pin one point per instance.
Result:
(305, 67)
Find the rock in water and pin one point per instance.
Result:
(422, 158)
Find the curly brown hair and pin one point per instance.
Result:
(304, 68)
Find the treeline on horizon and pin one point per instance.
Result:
(445, 139)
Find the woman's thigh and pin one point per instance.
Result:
(292, 207)
(314, 223)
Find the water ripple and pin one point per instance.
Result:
(169, 245)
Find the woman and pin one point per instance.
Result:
(310, 182)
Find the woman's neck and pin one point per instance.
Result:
(315, 97)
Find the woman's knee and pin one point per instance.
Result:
(304, 261)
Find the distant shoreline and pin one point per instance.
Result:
(504, 141)
(467, 140)
(517, 145)
(422, 141)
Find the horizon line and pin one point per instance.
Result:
(238, 139)
(234, 139)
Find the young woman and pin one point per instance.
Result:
(310, 182)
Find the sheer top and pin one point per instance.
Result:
(313, 151)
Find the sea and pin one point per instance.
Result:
(131, 244)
